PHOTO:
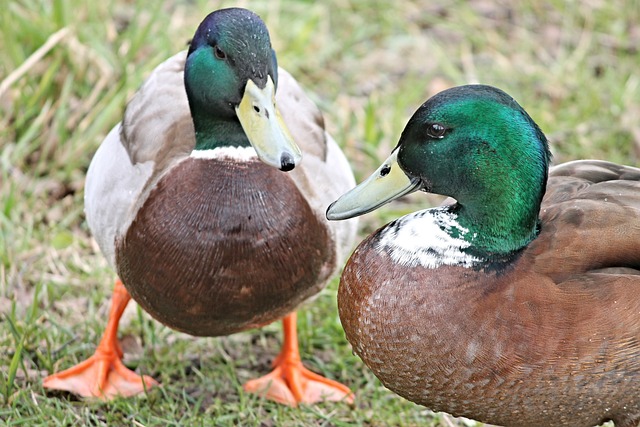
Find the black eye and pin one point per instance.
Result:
(219, 53)
(436, 130)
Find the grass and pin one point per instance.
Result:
(369, 64)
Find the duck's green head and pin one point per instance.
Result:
(477, 145)
(231, 75)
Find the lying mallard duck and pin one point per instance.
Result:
(206, 233)
(513, 306)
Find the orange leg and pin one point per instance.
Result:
(290, 382)
(103, 375)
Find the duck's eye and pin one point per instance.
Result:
(219, 53)
(436, 130)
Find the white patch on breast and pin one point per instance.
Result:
(422, 238)
(243, 154)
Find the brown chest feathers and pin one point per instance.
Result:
(220, 247)
(511, 348)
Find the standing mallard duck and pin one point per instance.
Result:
(187, 203)
(512, 306)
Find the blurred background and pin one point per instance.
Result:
(67, 70)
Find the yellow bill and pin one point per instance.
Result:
(265, 128)
(387, 183)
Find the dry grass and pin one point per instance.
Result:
(369, 64)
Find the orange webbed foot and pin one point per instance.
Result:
(103, 375)
(290, 382)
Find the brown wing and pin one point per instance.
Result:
(302, 116)
(590, 219)
(157, 124)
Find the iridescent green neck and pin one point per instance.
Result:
(503, 219)
(214, 132)
(500, 204)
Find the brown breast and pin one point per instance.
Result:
(219, 247)
(506, 346)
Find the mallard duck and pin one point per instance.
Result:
(189, 201)
(516, 304)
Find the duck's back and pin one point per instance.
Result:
(551, 336)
